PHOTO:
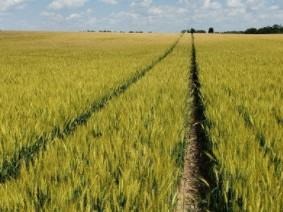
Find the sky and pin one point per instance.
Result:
(146, 15)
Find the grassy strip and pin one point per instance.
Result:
(10, 168)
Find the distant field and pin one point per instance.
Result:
(102, 121)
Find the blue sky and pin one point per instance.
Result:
(147, 15)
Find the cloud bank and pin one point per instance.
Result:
(147, 15)
(8, 4)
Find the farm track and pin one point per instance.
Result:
(200, 188)
(197, 180)
(10, 168)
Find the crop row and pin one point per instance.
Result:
(48, 80)
(242, 92)
(128, 156)
(11, 167)
(36, 113)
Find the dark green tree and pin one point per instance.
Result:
(211, 30)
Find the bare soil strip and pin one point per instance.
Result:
(10, 169)
(197, 179)
(188, 197)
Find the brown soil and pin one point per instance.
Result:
(188, 196)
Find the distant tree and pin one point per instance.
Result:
(200, 31)
(264, 30)
(193, 30)
(234, 32)
(276, 28)
(279, 28)
(251, 31)
(211, 30)
(184, 31)
(104, 30)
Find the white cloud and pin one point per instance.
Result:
(109, 1)
(89, 11)
(155, 11)
(124, 15)
(73, 16)
(142, 3)
(234, 3)
(182, 11)
(152, 15)
(8, 4)
(59, 4)
(274, 7)
(148, 17)
(53, 16)
(209, 4)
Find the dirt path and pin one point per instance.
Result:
(188, 196)
(196, 180)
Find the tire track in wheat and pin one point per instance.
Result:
(10, 168)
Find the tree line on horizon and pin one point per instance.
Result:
(192, 30)
(108, 31)
(275, 29)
